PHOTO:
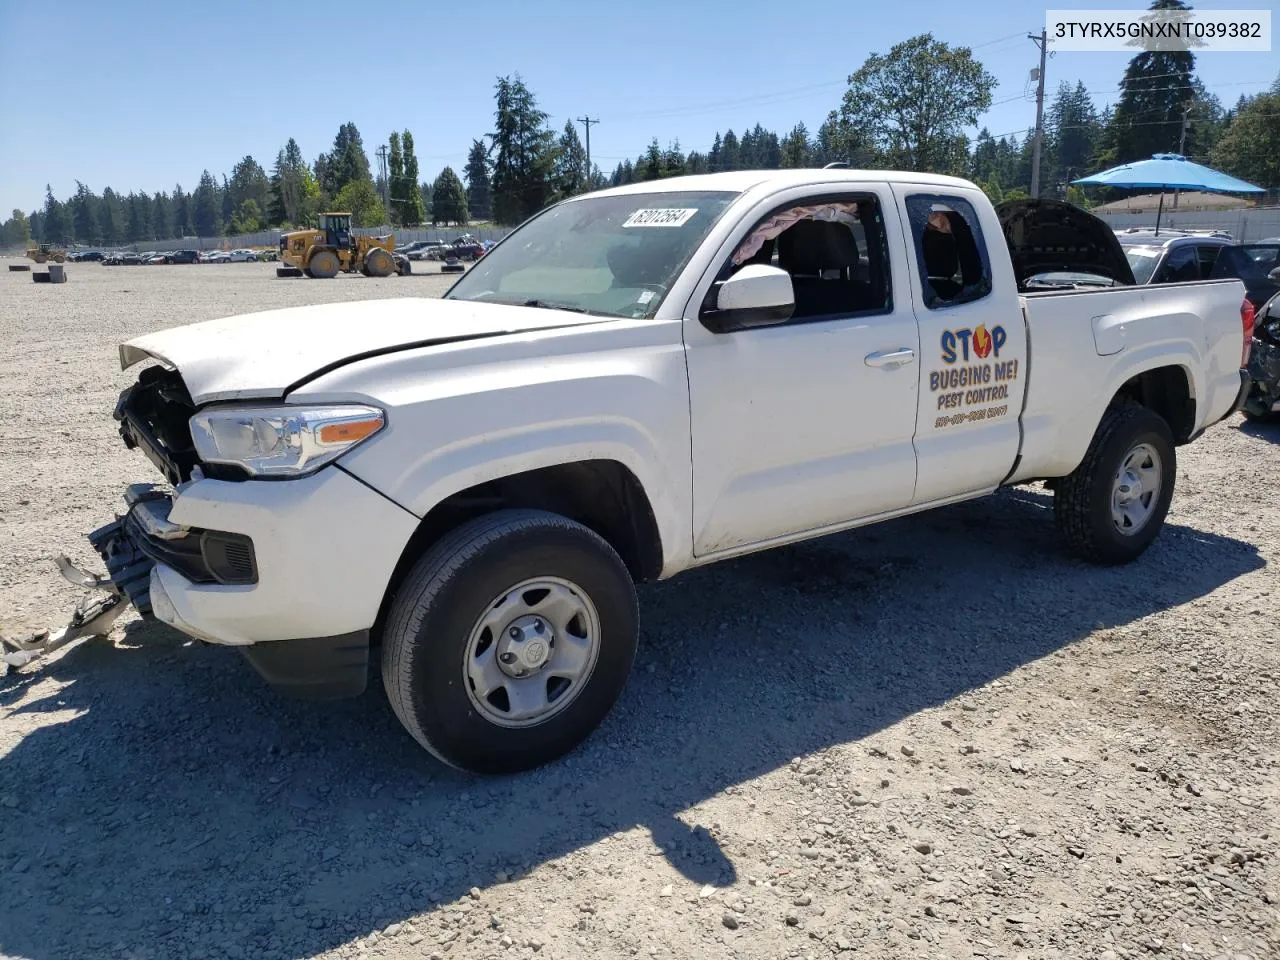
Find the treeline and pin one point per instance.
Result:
(907, 109)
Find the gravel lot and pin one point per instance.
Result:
(938, 737)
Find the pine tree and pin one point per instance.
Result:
(83, 207)
(289, 182)
(205, 207)
(346, 163)
(181, 210)
(249, 182)
(415, 212)
(729, 152)
(795, 148)
(477, 171)
(55, 224)
(138, 209)
(161, 218)
(1155, 89)
(524, 153)
(226, 203)
(111, 218)
(715, 156)
(570, 171)
(448, 199)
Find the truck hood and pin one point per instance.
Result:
(260, 355)
(1047, 236)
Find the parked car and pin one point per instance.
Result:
(1263, 402)
(85, 256)
(158, 258)
(1172, 257)
(215, 256)
(242, 256)
(641, 381)
(1257, 264)
(424, 252)
(182, 256)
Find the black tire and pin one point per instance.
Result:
(379, 263)
(1082, 501)
(435, 610)
(1264, 418)
(324, 265)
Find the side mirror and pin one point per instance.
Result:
(1274, 275)
(758, 295)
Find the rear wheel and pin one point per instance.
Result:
(509, 641)
(1110, 508)
(378, 263)
(324, 265)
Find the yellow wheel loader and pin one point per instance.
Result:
(46, 252)
(332, 248)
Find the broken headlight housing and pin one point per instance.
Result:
(282, 441)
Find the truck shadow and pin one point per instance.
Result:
(180, 808)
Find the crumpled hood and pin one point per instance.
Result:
(259, 355)
(1052, 236)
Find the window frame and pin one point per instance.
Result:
(928, 296)
(707, 310)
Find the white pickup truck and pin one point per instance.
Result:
(633, 383)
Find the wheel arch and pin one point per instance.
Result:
(603, 495)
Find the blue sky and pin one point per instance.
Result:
(140, 96)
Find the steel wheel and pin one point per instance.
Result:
(532, 652)
(1136, 490)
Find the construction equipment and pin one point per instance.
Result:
(332, 248)
(46, 252)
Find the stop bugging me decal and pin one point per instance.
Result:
(973, 376)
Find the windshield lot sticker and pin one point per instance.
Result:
(668, 217)
(967, 382)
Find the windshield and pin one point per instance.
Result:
(1142, 260)
(615, 256)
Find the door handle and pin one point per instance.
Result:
(890, 358)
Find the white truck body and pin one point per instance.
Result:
(729, 442)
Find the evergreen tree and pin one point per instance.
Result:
(415, 211)
(448, 199)
(346, 163)
(694, 163)
(524, 153)
(16, 231)
(161, 218)
(138, 213)
(226, 203)
(55, 224)
(795, 148)
(362, 200)
(83, 207)
(570, 172)
(1155, 89)
(205, 207)
(715, 156)
(180, 208)
(729, 152)
(290, 179)
(1250, 149)
(477, 171)
(248, 182)
(111, 218)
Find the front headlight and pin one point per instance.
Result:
(282, 441)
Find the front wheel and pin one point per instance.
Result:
(509, 641)
(1110, 508)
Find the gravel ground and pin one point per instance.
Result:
(938, 737)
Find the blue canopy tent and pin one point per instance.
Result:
(1168, 171)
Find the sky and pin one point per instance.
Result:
(140, 96)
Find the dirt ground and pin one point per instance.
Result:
(939, 737)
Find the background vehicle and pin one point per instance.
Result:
(1263, 402)
(215, 256)
(182, 256)
(46, 252)
(332, 248)
(1175, 258)
(242, 256)
(645, 380)
(1256, 264)
(424, 252)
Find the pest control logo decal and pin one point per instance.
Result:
(972, 376)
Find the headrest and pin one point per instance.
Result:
(810, 247)
(634, 265)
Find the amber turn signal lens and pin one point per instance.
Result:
(349, 432)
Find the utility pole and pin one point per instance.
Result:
(587, 122)
(1182, 145)
(1042, 42)
(382, 169)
